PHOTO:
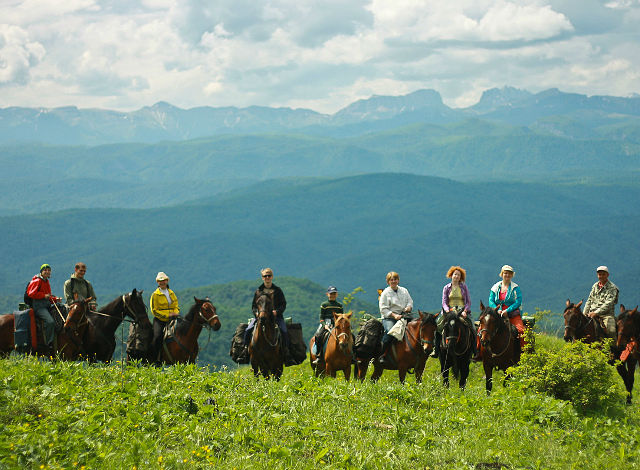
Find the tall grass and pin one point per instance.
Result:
(64, 415)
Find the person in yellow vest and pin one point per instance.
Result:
(164, 306)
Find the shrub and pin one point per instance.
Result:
(577, 372)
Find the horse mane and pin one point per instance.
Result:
(427, 318)
(492, 312)
(110, 306)
(624, 316)
(184, 323)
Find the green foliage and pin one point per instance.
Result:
(577, 372)
(72, 415)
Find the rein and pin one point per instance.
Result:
(492, 337)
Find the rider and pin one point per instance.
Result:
(78, 288)
(279, 306)
(164, 306)
(602, 300)
(506, 297)
(455, 296)
(327, 309)
(395, 303)
(39, 290)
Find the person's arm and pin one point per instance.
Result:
(409, 306)
(254, 306)
(33, 291)
(610, 298)
(92, 294)
(280, 303)
(466, 297)
(515, 305)
(174, 309)
(445, 298)
(492, 299)
(68, 292)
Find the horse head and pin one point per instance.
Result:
(77, 314)
(136, 308)
(264, 303)
(574, 321)
(427, 331)
(628, 323)
(342, 330)
(451, 329)
(491, 324)
(207, 314)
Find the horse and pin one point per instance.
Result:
(99, 338)
(266, 354)
(410, 353)
(182, 346)
(338, 352)
(577, 325)
(500, 344)
(68, 339)
(628, 323)
(456, 348)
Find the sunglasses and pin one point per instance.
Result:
(267, 275)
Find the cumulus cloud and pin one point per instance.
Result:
(321, 54)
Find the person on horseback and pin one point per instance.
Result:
(455, 296)
(78, 288)
(39, 290)
(602, 300)
(279, 305)
(327, 309)
(164, 306)
(395, 303)
(506, 296)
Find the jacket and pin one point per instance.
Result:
(512, 301)
(38, 287)
(82, 287)
(160, 306)
(279, 302)
(446, 291)
(602, 301)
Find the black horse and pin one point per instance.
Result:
(456, 348)
(628, 325)
(99, 338)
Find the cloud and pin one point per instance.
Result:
(18, 54)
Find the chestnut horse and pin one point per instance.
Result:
(99, 338)
(499, 344)
(182, 346)
(338, 352)
(456, 348)
(628, 323)
(411, 353)
(69, 339)
(578, 326)
(266, 346)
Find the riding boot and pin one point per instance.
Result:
(477, 354)
(383, 359)
(436, 345)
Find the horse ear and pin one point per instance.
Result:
(568, 303)
(133, 292)
(481, 305)
(350, 312)
(622, 309)
(335, 317)
(635, 310)
(579, 304)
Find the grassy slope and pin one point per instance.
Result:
(68, 414)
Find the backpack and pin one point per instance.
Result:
(28, 300)
(368, 338)
(237, 351)
(297, 346)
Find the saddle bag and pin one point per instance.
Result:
(368, 338)
(139, 340)
(237, 352)
(297, 346)
(24, 336)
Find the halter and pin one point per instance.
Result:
(457, 338)
(582, 326)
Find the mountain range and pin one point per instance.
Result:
(552, 111)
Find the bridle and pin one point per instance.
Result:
(492, 334)
(207, 321)
(457, 338)
(583, 323)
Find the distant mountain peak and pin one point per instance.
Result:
(498, 97)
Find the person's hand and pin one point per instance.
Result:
(464, 314)
(47, 296)
(407, 309)
(396, 316)
(593, 314)
(274, 312)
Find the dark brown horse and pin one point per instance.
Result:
(578, 326)
(411, 353)
(265, 349)
(68, 339)
(339, 348)
(500, 346)
(456, 348)
(99, 338)
(182, 345)
(628, 323)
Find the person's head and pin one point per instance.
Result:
(80, 270)
(45, 271)
(162, 279)
(267, 276)
(332, 293)
(603, 274)
(507, 273)
(457, 274)
(393, 278)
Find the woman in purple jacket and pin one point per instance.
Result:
(455, 296)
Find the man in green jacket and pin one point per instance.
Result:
(78, 288)
(602, 300)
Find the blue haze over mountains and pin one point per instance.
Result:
(547, 182)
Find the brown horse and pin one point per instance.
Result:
(628, 323)
(182, 345)
(68, 339)
(500, 345)
(339, 348)
(411, 353)
(578, 326)
(99, 338)
(266, 346)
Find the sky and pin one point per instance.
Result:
(315, 54)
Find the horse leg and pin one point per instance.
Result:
(360, 369)
(488, 374)
(419, 369)
(377, 371)
(464, 372)
(347, 372)
(627, 372)
(402, 374)
(444, 369)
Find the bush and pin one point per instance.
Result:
(577, 372)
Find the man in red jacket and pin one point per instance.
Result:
(40, 291)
